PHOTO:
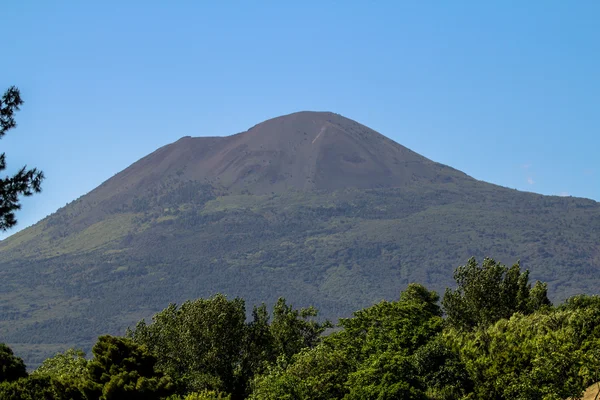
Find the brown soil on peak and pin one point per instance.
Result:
(300, 151)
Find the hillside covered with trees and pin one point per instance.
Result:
(496, 336)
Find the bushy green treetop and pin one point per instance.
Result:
(489, 292)
(11, 366)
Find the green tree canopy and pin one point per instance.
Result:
(123, 370)
(545, 355)
(294, 330)
(24, 182)
(35, 388)
(490, 292)
(402, 325)
(69, 371)
(11, 366)
(206, 344)
(371, 357)
(319, 373)
(441, 371)
(199, 343)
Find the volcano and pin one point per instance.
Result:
(311, 206)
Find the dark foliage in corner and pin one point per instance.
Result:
(24, 182)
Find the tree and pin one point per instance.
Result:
(387, 376)
(539, 356)
(71, 365)
(26, 181)
(441, 371)
(33, 388)
(206, 344)
(418, 294)
(258, 348)
(314, 373)
(204, 395)
(11, 366)
(372, 357)
(198, 343)
(122, 369)
(294, 329)
(491, 292)
(69, 370)
(395, 326)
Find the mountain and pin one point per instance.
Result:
(310, 206)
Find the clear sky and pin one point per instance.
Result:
(506, 91)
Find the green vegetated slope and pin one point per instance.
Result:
(166, 230)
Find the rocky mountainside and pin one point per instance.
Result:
(310, 206)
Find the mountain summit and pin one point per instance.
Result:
(311, 206)
(300, 151)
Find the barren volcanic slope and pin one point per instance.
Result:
(310, 206)
(302, 151)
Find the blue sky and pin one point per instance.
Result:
(506, 91)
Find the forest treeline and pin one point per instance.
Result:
(496, 336)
